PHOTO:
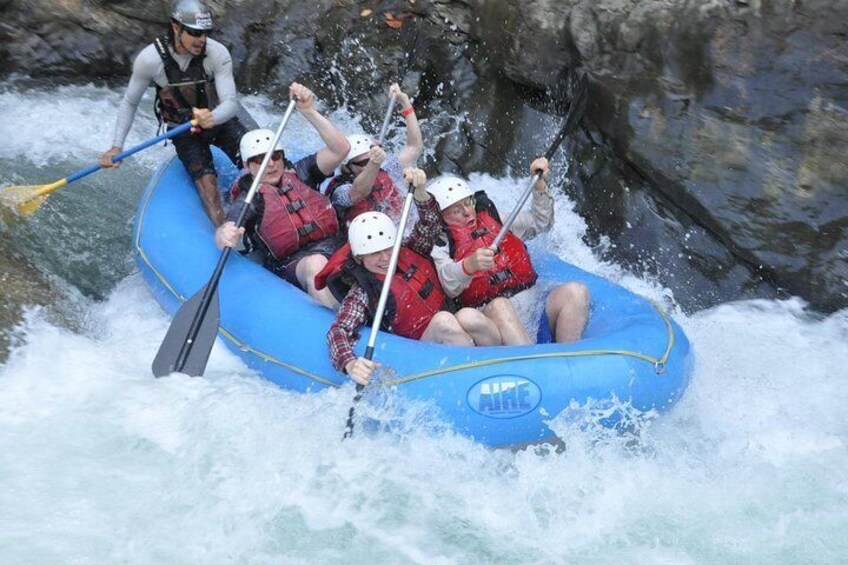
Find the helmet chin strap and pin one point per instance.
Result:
(182, 43)
(179, 37)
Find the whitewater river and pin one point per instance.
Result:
(102, 463)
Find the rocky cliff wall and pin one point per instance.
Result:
(713, 152)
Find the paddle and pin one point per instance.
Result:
(386, 120)
(384, 291)
(189, 340)
(381, 305)
(393, 99)
(572, 118)
(26, 199)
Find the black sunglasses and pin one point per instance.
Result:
(256, 160)
(195, 32)
(361, 163)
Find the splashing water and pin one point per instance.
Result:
(101, 463)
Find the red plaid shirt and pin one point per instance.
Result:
(355, 310)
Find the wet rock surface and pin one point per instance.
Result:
(712, 152)
(22, 286)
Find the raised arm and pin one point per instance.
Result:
(336, 149)
(364, 181)
(429, 225)
(408, 156)
(540, 217)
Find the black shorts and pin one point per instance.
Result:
(287, 268)
(193, 148)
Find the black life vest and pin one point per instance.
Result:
(185, 90)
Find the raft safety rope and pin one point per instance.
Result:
(658, 363)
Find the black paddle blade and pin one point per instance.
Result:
(576, 108)
(349, 425)
(178, 352)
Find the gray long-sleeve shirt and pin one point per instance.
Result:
(527, 225)
(148, 68)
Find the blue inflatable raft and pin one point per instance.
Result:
(632, 354)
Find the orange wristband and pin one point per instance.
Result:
(407, 111)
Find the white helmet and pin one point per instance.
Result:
(255, 143)
(449, 190)
(370, 232)
(193, 14)
(359, 144)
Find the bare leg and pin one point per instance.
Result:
(306, 270)
(568, 309)
(481, 329)
(207, 188)
(503, 314)
(445, 328)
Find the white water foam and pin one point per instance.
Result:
(101, 463)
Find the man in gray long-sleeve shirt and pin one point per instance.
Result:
(193, 76)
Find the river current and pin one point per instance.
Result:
(102, 463)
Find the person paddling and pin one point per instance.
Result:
(416, 305)
(477, 275)
(292, 225)
(193, 76)
(368, 174)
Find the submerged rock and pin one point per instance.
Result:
(23, 286)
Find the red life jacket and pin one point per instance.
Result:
(294, 215)
(513, 271)
(384, 197)
(415, 286)
(185, 90)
